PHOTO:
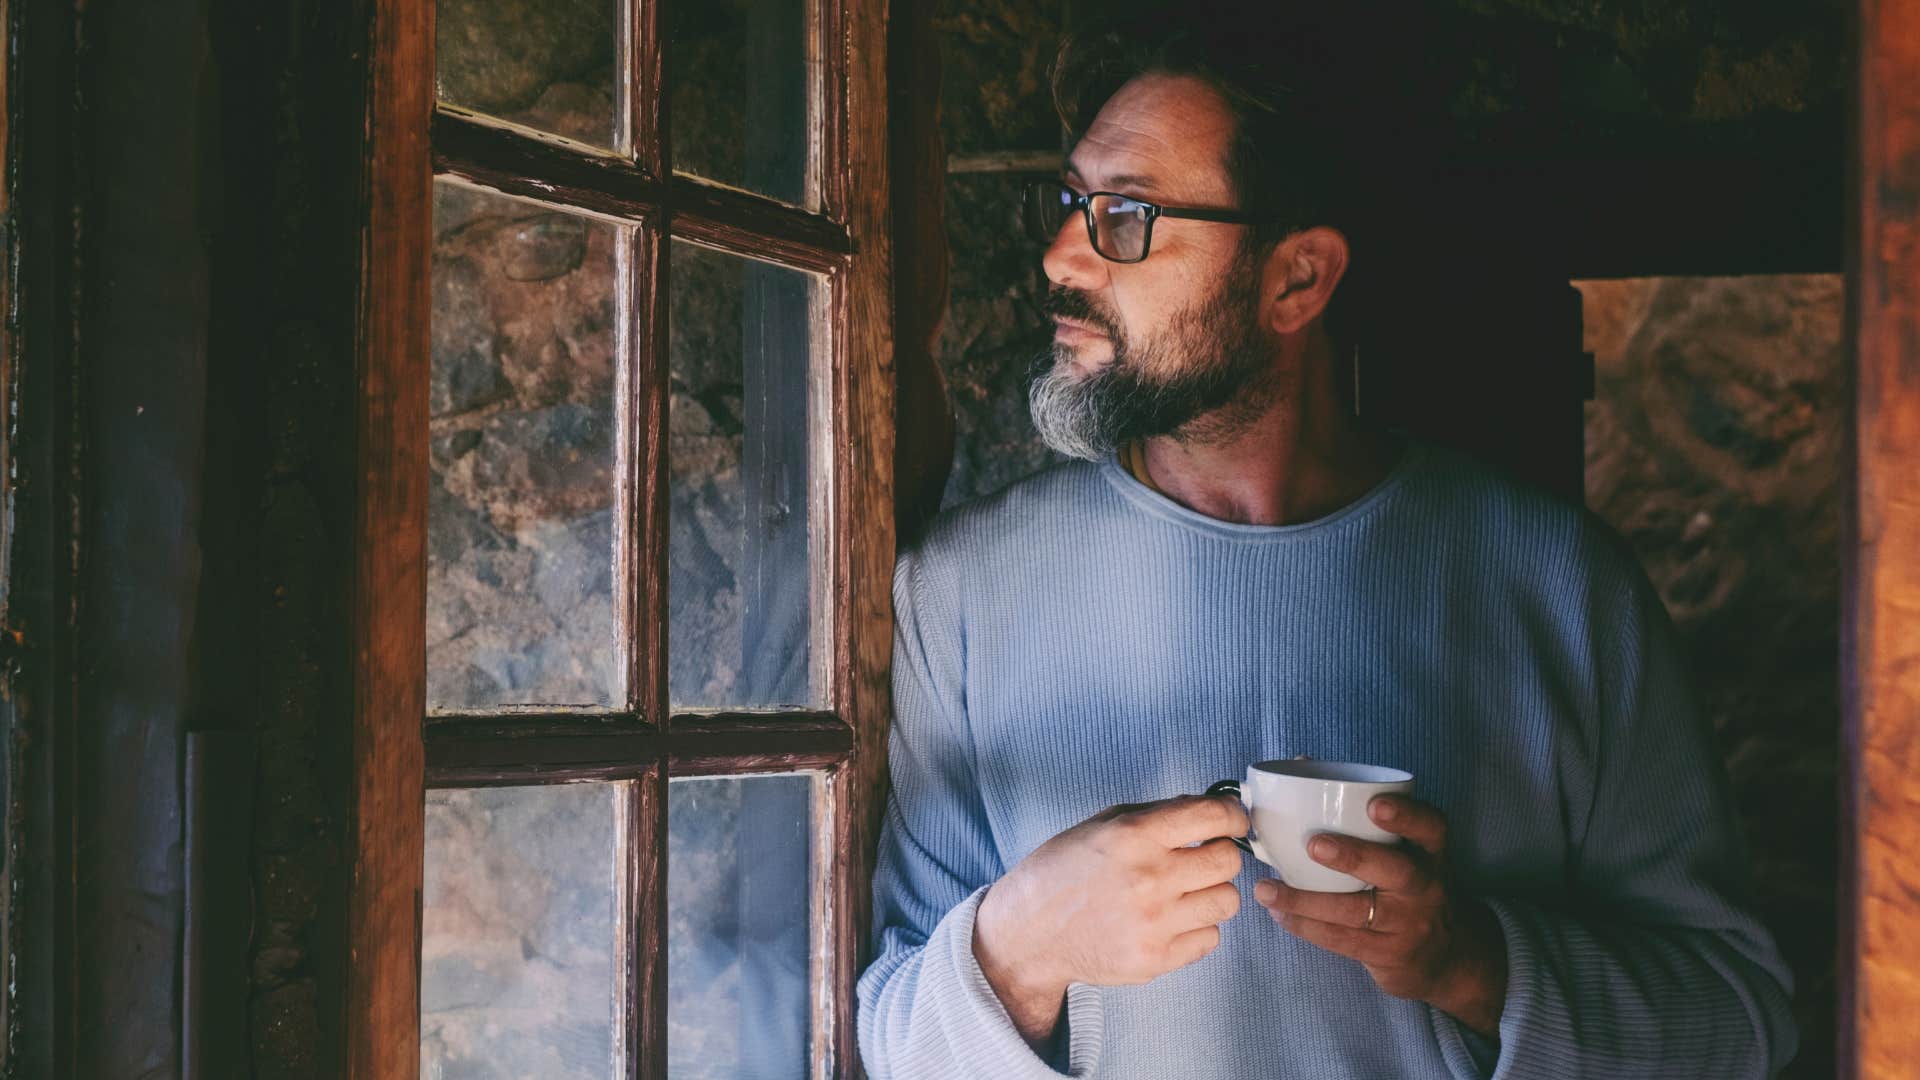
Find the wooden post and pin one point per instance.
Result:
(1880, 826)
(864, 457)
(388, 812)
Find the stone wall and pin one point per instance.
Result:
(1714, 445)
(520, 599)
(994, 62)
(519, 933)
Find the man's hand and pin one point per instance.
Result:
(1425, 943)
(1118, 899)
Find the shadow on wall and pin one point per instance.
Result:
(1714, 445)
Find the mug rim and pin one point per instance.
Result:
(1339, 772)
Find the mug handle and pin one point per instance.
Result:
(1232, 787)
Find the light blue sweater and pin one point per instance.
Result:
(1078, 641)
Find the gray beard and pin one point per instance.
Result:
(1091, 417)
(1223, 384)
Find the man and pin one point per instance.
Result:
(1239, 571)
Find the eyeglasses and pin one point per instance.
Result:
(1119, 227)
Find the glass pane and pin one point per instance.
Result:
(520, 598)
(522, 932)
(739, 105)
(550, 66)
(739, 570)
(738, 898)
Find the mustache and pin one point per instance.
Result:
(1072, 304)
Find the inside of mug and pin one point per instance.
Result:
(1309, 769)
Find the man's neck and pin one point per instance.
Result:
(1303, 458)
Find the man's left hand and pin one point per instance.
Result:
(1425, 942)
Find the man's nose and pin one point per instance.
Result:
(1070, 260)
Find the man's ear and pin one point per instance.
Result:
(1299, 278)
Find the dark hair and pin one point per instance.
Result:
(1283, 79)
(1277, 74)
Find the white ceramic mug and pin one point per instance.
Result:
(1291, 802)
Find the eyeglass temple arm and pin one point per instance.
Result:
(1232, 216)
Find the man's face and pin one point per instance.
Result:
(1160, 346)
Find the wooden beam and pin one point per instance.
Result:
(863, 529)
(1880, 828)
(1024, 162)
(387, 834)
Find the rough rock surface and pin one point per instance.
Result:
(520, 606)
(519, 929)
(549, 65)
(1714, 445)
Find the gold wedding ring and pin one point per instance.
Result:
(1373, 905)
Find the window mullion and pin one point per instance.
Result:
(830, 958)
(647, 86)
(513, 162)
(651, 386)
(645, 940)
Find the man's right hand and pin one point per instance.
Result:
(1116, 900)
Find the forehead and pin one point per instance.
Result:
(1158, 135)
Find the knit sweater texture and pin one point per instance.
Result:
(1078, 641)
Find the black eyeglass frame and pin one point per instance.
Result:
(1039, 190)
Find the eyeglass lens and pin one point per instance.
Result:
(1119, 227)
(1119, 224)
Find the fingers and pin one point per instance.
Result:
(1208, 907)
(1191, 946)
(1209, 864)
(1362, 945)
(1340, 909)
(1388, 868)
(1190, 819)
(1121, 810)
(1418, 822)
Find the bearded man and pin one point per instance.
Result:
(1239, 570)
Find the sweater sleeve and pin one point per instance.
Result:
(926, 1009)
(1653, 966)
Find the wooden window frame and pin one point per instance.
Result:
(1879, 970)
(394, 756)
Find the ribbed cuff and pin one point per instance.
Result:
(1003, 1042)
(1469, 1055)
(1518, 1016)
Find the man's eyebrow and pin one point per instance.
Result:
(1142, 185)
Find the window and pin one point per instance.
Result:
(635, 470)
